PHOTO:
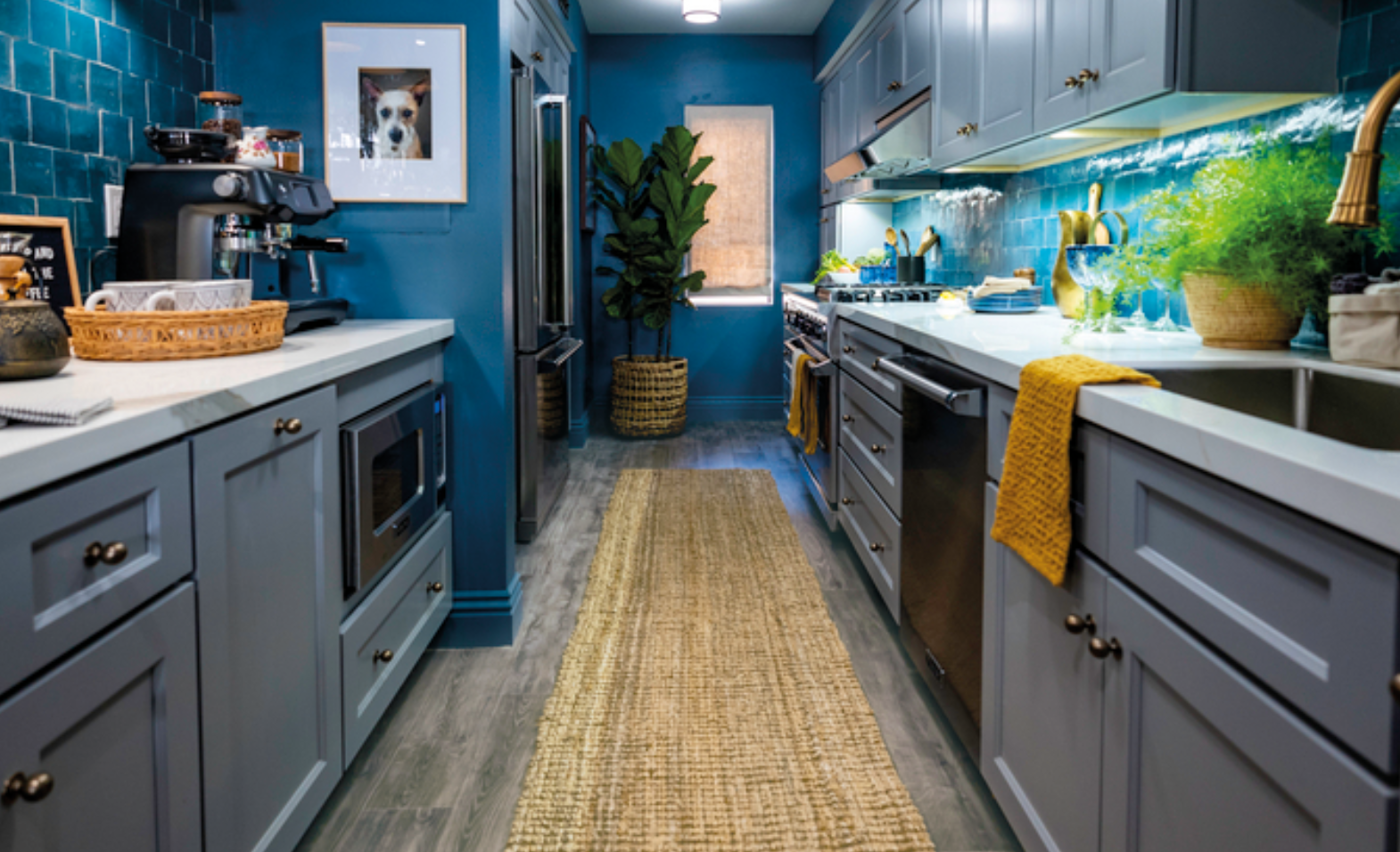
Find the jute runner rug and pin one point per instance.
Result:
(706, 701)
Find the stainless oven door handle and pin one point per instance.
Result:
(964, 403)
(823, 366)
(563, 351)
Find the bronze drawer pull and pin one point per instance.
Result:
(435, 588)
(384, 656)
(877, 448)
(846, 501)
(291, 427)
(1086, 76)
(846, 418)
(34, 788)
(111, 554)
(1103, 650)
(1076, 625)
(877, 547)
(849, 350)
(1395, 687)
(537, 56)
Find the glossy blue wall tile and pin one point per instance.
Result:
(63, 91)
(639, 86)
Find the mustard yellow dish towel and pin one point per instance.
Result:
(802, 418)
(1033, 511)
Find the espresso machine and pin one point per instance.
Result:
(199, 221)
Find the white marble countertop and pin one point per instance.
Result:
(158, 401)
(1353, 488)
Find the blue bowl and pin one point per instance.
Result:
(1024, 302)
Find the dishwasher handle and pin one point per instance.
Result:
(969, 402)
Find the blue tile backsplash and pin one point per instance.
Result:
(79, 80)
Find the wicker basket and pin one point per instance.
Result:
(1245, 318)
(648, 396)
(175, 335)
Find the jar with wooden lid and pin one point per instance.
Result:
(221, 112)
(287, 148)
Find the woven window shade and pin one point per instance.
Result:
(736, 249)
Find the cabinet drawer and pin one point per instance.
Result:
(1308, 610)
(858, 349)
(1001, 404)
(396, 621)
(116, 728)
(873, 530)
(873, 435)
(55, 593)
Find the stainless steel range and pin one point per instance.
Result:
(808, 311)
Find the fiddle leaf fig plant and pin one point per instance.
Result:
(657, 203)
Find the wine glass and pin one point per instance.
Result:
(1099, 296)
(1165, 323)
(1139, 319)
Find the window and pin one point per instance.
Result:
(736, 249)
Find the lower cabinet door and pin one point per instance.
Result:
(385, 636)
(1198, 757)
(104, 749)
(1042, 697)
(267, 560)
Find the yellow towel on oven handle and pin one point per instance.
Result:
(1033, 502)
(802, 418)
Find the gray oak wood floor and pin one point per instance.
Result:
(444, 768)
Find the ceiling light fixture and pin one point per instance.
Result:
(700, 11)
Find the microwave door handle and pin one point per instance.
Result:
(567, 348)
(964, 403)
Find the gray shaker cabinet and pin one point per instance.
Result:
(1042, 730)
(109, 739)
(848, 111)
(1196, 756)
(1061, 54)
(1132, 50)
(1005, 49)
(955, 89)
(868, 90)
(918, 51)
(267, 558)
(889, 62)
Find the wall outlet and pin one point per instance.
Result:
(112, 207)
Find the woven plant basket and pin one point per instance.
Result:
(648, 396)
(104, 335)
(1246, 318)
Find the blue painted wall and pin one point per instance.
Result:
(412, 261)
(840, 19)
(78, 82)
(639, 86)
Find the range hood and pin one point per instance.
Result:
(903, 146)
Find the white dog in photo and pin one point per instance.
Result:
(396, 113)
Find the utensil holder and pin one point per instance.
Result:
(911, 270)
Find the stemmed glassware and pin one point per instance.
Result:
(1084, 263)
(1139, 319)
(1166, 323)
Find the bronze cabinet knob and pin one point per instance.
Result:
(1395, 687)
(1103, 650)
(435, 588)
(107, 554)
(849, 350)
(35, 788)
(846, 418)
(291, 427)
(877, 448)
(383, 656)
(877, 547)
(1072, 83)
(537, 56)
(846, 501)
(1076, 625)
(1086, 76)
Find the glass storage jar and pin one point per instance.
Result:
(286, 147)
(221, 112)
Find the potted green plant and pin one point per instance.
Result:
(657, 203)
(1248, 242)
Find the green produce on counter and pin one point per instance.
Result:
(831, 262)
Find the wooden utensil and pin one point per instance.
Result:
(908, 246)
(927, 242)
(1102, 236)
(891, 238)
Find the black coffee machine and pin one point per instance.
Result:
(199, 221)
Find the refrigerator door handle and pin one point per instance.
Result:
(565, 299)
(555, 360)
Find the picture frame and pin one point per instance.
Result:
(395, 104)
(588, 208)
(51, 251)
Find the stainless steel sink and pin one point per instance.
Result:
(1354, 411)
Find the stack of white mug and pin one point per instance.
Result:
(220, 295)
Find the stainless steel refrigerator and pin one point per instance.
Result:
(544, 297)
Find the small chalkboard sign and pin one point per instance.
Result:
(51, 251)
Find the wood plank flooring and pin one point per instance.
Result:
(443, 770)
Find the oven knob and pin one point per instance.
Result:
(230, 186)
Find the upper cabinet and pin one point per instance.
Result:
(1008, 77)
(539, 43)
(831, 131)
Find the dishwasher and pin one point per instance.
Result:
(944, 477)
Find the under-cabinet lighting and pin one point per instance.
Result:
(1108, 133)
(700, 11)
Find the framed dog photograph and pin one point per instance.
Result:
(396, 112)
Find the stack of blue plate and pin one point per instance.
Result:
(1024, 302)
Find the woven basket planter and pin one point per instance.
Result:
(1246, 318)
(648, 396)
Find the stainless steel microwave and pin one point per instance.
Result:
(394, 480)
